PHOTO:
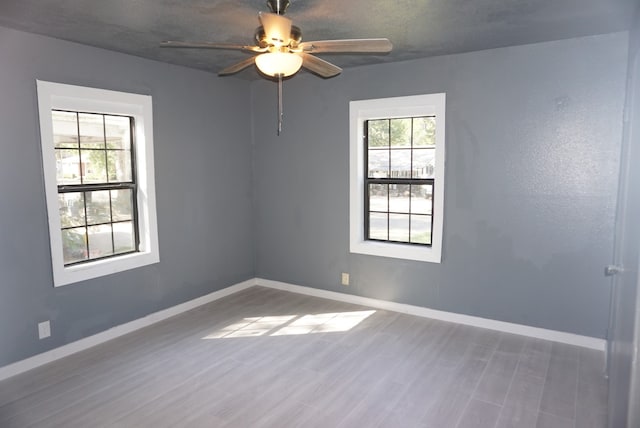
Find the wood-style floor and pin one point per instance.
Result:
(268, 358)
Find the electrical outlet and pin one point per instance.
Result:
(44, 329)
(345, 278)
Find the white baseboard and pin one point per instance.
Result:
(120, 330)
(88, 342)
(523, 330)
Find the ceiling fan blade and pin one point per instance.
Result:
(237, 67)
(276, 27)
(319, 66)
(208, 45)
(347, 45)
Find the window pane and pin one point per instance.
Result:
(100, 241)
(399, 227)
(399, 198)
(421, 199)
(378, 132)
(378, 197)
(401, 132)
(98, 209)
(91, 131)
(119, 165)
(424, 131)
(74, 248)
(378, 163)
(122, 204)
(71, 209)
(118, 132)
(421, 229)
(65, 129)
(378, 226)
(424, 163)
(401, 163)
(67, 166)
(94, 166)
(123, 237)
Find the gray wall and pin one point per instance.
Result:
(533, 142)
(623, 374)
(203, 185)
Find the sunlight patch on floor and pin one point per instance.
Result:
(286, 325)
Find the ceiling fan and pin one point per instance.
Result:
(280, 51)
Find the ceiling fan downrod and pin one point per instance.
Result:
(278, 6)
(280, 112)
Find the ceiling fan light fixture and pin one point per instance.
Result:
(279, 63)
(280, 52)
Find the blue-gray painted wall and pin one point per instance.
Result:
(203, 191)
(533, 143)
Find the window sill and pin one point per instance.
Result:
(90, 270)
(396, 251)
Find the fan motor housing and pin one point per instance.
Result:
(294, 38)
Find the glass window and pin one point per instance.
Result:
(97, 156)
(96, 185)
(397, 177)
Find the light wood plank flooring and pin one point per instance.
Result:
(268, 358)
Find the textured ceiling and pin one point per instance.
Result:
(417, 28)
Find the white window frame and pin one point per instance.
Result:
(77, 98)
(389, 108)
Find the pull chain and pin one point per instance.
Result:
(280, 113)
